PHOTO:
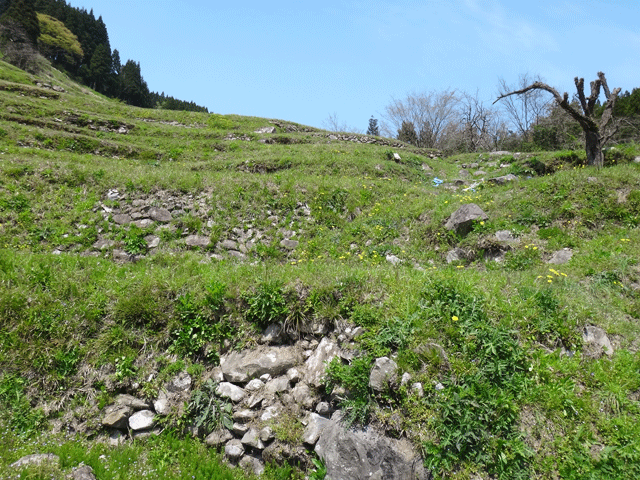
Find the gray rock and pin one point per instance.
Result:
(181, 383)
(141, 420)
(218, 437)
(254, 385)
(316, 363)
(303, 395)
(503, 179)
(636, 159)
(234, 449)
(417, 389)
(252, 439)
(270, 413)
(117, 416)
(239, 429)
(252, 464)
(358, 454)
(393, 260)
(152, 241)
(505, 236)
(597, 337)
(324, 409)
(266, 130)
(289, 244)
(197, 241)
(383, 374)
(316, 424)
(277, 385)
(161, 215)
(122, 219)
(230, 391)
(133, 402)
(144, 223)
(82, 472)
(561, 257)
(103, 244)
(36, 459)
(244, 416)
(240, 367)
(161, 405)
(455, 255)
(266, 434)
(462, 219)
(228, 245)
(117, 438)
(274, 334)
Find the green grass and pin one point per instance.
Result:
(514, 403)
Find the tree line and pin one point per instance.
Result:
(525, 118)
(73, 40)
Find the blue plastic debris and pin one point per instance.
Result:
(437, 181)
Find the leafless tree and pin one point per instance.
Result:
(479, 123)
(333, 124)
(597, 134)
(429, 113)
(525, 110)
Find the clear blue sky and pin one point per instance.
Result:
(303, 61)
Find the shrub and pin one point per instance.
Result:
(208, 411)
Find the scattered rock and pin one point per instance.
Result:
(230, 391)
(234, 449)
(240, 367)
(197, 241)
(161, 215)
(504, 179)
(265, 130)
(36, 459)
(462, 219)
(82, 472)
(141, 420)
(316, 363)
(359, 454)
(252, 439)
(133, 402)
(117, 416)
(561, 257)
(596, 337)
(218, 438)
(383, 374)
(252, 464)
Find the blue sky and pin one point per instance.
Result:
(303, 61)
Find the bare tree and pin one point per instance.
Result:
(597, 134)
(15, 47)
(333, 124)
(479, 124)
(524, 110)
(429, 113)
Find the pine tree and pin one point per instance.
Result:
(373, 127)
(134, 89)
(407, 133)
(100, 67)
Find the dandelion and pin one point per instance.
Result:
(454, 318)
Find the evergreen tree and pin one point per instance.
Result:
(373, 127)
(24, 13)
(407, 133)
(133, 88)
(100, 67)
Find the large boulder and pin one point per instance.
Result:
(462, 219)
(358, 454)
(240, 367)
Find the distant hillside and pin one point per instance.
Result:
(192, 295)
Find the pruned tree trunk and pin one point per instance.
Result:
(597, 134)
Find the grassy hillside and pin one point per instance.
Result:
(305, 227)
